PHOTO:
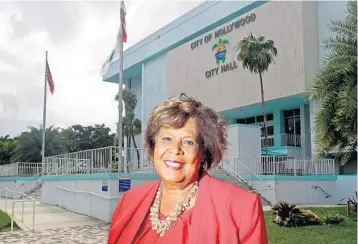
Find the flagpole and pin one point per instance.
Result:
(120, 84)
(44, 119)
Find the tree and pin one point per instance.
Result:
(256, 54)
(130, 126)
(335, 88)
(7, 146)
(79, 138)
(29, 145)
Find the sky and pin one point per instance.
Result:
(78, 37)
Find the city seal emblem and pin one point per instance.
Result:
(219, 49)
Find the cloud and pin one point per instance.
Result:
(78, 37)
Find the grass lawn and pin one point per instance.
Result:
(5, 222)
(344, 233)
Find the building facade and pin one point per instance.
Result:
(196, 54)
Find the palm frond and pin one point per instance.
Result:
(335, 87)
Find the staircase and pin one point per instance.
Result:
(235, 180)
(244, 185)
(36, 192)
(65, 168)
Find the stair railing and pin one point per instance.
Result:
(252, 173)
(38, 182)
(321, 189)
(226, 167)
(29, 199)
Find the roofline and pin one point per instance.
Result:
(200, 9)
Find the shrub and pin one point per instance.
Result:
(5, 220)
(289, 215)
(333, 218)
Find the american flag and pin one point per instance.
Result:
(49, 78)
(123, 28)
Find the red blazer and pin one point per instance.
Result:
(223, 213)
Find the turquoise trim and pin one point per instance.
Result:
(293, 177)
(232, 16)
(19, 178)
(154, 176)
(277, 130)
(284, 148)
(220, 176)
(263, 152)
(134, 176)
(347, 175)
(244, 125)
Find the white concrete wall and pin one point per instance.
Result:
(87, 204)
(346, 186)
(249, 141)
(243, 141)
(265, 188)
(15, 185)
(302, 191)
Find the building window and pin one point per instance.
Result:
(292, 121)
(292, 136)
(255, 120)
(259, 120)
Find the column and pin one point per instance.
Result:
(277, 127)
(313, 105)
(305, 130)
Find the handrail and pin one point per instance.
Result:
(52, 172)
(238, 177)
(258, 177)
(320, 188)
(87, 192)
(22, 212)
(233, 173)
(17, 192)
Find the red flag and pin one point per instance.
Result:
(123, 29)
(49, 78)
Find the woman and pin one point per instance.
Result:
(184, 139)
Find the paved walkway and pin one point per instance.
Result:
(54, 225)
(89, 234)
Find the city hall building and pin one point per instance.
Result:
(196, 54)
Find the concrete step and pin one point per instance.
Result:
(232, 180)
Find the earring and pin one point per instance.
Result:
(203, 166)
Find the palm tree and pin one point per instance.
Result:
(335, 87)
(130, 126)
(256, 54)
(28, 148)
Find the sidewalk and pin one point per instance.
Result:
(53, 225)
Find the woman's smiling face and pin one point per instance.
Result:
(177, 154)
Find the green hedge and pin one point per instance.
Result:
(5, 220)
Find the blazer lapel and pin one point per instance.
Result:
(140, 213)
(199, 210)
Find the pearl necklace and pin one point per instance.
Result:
(161, 226)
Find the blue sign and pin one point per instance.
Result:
(124, 184)
(104, 185)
